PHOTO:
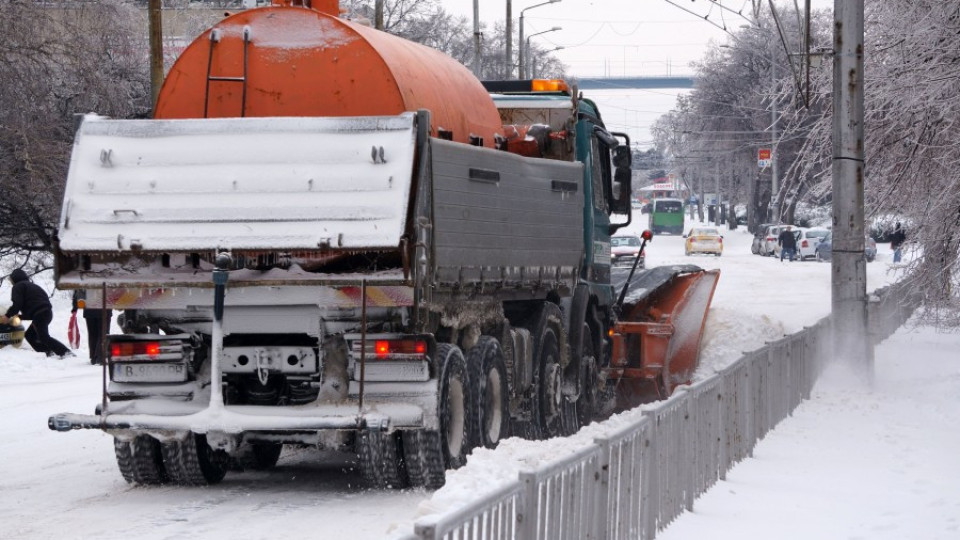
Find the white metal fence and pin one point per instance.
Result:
(633, 482)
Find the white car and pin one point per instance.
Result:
(768, 240)
(625, 249)
(808, 241)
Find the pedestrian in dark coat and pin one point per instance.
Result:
(788, 243)
(30, 301)
(897, 238)
(93, 317)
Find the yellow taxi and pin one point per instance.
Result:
(703, 240)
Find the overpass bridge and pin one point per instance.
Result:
(613, 83)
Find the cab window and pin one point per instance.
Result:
(600, 182)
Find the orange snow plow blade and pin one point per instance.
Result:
(656, 342)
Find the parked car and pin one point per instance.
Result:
(625, 248)
(768, 241)
(808, 240)
(757, 247)
(797, 233)
(824, 249)
(704, 240)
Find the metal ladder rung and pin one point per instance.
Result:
(214, 39)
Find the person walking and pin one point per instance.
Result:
(788, 243)
(30, 301)
(94, 319)
(897, 238)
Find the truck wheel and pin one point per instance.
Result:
(257, 456)
(140, 460)
(380, 463)
(488, 376)
(457, 410)
(423, 454)
(550, 382)
(191, 462)
(587, 404)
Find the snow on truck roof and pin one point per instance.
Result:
(238, 183)
(534, 101)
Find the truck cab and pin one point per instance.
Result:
(549, 119)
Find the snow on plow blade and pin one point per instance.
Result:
(656, 343)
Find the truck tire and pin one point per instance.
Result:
(587, 404)
(257, 456)
(549, 373)
(140, 460)
(380, 459)
(457, 409)
(488, 376)
(191, 462)
(423, 454)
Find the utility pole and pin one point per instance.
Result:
(849, 281)
(476, 38)
(716, 174)
(378, 15)
(508, 62)
(156, 50)
(774, 169)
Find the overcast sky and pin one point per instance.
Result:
(625, 38)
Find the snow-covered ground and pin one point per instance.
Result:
(848, 464)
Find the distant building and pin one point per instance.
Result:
(663, 188)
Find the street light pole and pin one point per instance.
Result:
(533, 63)
(554, 29)
(522, 71)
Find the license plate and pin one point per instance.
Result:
(388, 371)
(149, 372)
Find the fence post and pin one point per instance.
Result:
(601, 525)
(530, 506)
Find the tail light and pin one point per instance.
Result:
(389, 358)
(720, 240)
(135, 348)
(804, 244)
(392, 347)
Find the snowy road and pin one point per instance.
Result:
(64, 486)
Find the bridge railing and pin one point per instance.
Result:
(634, 481)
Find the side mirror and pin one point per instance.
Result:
(622, 178)
(622, 157)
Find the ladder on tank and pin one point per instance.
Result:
(214, 39)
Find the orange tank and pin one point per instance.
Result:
(296, 61)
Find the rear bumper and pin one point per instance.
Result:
(416, 408)
(229, 420)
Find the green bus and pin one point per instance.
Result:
(666, 216)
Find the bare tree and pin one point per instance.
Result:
(57, 59)
(912, 130)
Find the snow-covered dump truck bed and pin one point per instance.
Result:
(310, 201)
(147, 202)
